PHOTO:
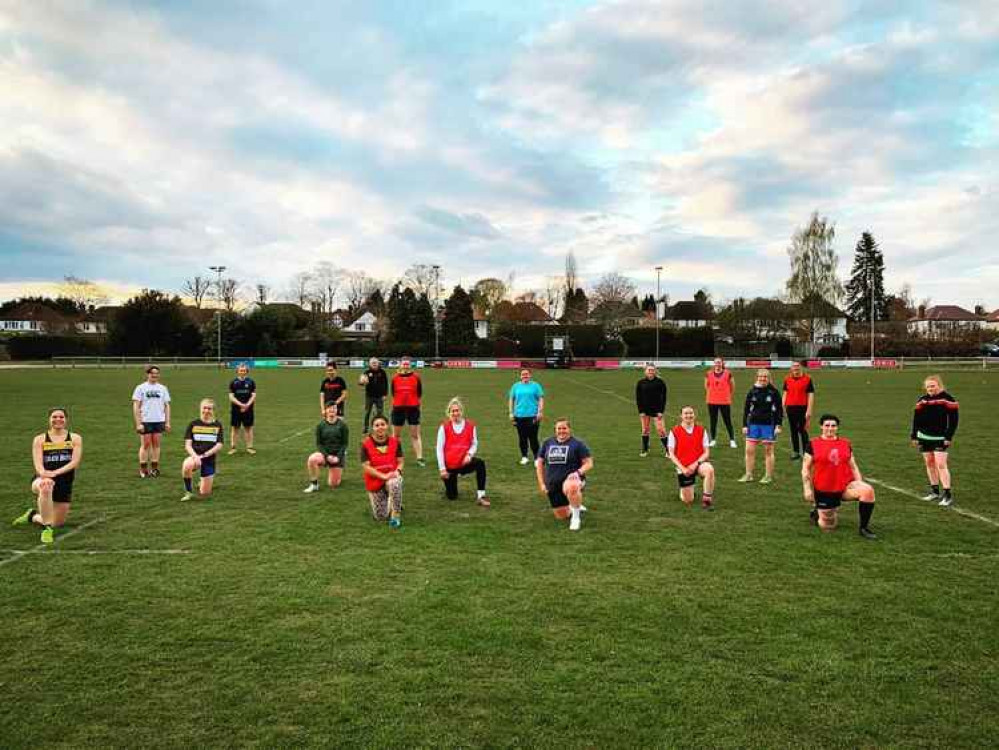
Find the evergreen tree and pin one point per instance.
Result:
(459, 322)
(866, 278)
(422, 316)
(399, 316)
(577, 307)
(153, 324)
(649, 304)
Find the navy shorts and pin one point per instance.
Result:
(556, 497)
(828, 500)
(238, 418)
(153, 428)
(405, 415)
(208, 467)
(762, 433)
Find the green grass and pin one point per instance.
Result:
(296, 621)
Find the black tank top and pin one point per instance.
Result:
(58, 453)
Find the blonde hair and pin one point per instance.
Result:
(210, 402)
(763, 371)
(937, 379)
(562, 419)
(454, 402)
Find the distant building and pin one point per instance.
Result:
(522, 312)
(481, 323)
(941, 321)
(97, 320)
(688, 314)
(992, 320)
(364, 326)
(32, 317)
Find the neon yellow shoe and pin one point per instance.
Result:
(24, 519)
(48, 535)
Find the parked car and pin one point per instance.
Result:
(990, 350)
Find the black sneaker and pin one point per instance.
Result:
(813, 516)
(154, 472)
(867, 533)
(795, 456)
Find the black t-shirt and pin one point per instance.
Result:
(203, 435)
(332, 389)
(377, 386)
(242, 389)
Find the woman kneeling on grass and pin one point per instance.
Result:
(203, 442)
(689, 450)
(382, 460)
(562, 465)
(332, 436)
(830, 475)
(56, 454)
(457, 444)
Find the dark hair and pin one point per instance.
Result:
(825, 417)
(151, 368)
(803, 363)
(381, 417)
(54, 409)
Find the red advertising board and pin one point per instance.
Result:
(886, 364)
(458, 363)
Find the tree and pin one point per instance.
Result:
(703, 301)
(326, 280)
(197, 289)
(300, 289)
(421, 278)
(487, 293)
(358, 288)
(571, 280)
(62, 305)
(577, 307)
(263, 293)
(399, 315)
(554, 297)
(813, 282)
(866, 280)
(423, 317)
(84, 294)
(376, 303)
(228, 294)
(648, 304)
(459, 322)
(610, 288)
(901, 306)
(151, 323)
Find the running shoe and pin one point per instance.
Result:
(24, 518)
(946, 501)
(187, 496)
(48, 535)
(311, 488)
(575, 522)
(931, 496)
(868, 534)
(484, 502)
(767, 479)
(813, 516)
(524, 460)
(231, 452)
(421, 463)
(395, 522)
(643, 454)
(154, 473)
(732, 444)
(143, 474)
(746, 478)
(252, 451)
(713, 443)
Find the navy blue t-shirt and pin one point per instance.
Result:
(242, 389)
(561, 459)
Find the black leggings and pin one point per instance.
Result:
(796, 426)
(527, 432)
(726, 411)
(451, 483)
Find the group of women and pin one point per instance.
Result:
(830, 473)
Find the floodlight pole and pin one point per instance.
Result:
(437, 312)
(659, 270)
(872, 314)
(218, 313)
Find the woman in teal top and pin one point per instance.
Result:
(527, 406)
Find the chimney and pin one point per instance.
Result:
(921, 312)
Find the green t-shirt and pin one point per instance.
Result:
(332, 438)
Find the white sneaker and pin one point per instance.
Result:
(732, 444)
(931, 496)
(574, 522)
(946, 501)
(524, 460)
(582, 508)
(311, 488)
(187, 496)
(713, 443)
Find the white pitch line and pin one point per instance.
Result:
(295, 435)
(600, 390)
(104, 551)
(21, 555)
(956, 509)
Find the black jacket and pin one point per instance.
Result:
(650, 396)
(377, 386)
(763, 406)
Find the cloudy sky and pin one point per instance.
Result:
(141, 142)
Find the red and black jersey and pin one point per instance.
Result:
(831, 463)
(935, 417)
(382, 456)
(457, 444)
(407, 390)
(332, 389)
(797, 390)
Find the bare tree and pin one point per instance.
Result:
(326, 280)
(228, 294)
(198, 289)
(612, 288)
(528, 295)
(300, 289)
(571, 273)
(422, 279)
(487, 293)
(263, 293)
(358, 287)
(555, 294)
(85, 294)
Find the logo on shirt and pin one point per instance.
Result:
(152, 394)
(558, 454)
(834, 457)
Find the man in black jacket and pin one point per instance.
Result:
(650, 397)
(375, 383)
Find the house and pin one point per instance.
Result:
(97, 319)
(33, 317)
(481, 323)
(620, 314)
(522, 312)
(940, 321)
(825, 323)
(364, 326)
(992, 320)
(688, 314)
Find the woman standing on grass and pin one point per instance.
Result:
(382, 461)
(151, 413)
(332, 437)
(457, 444)
(526, 400)
(934, 423)
(762, 416)
(562, 465)
(203, 442)
(56, 454)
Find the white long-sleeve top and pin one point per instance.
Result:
(458, 427)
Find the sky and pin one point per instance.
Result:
(142, 142)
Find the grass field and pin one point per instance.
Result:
(291, 620)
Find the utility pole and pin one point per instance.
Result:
(659, 270)
(437, 312)
(218, 313)
(871, 284)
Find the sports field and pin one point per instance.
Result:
(269, 618)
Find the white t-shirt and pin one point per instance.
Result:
(153, 399)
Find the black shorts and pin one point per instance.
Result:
(556, 497)
(932, 446)
(208, 467)
(651, 415)
(828, 500)
(405, 415)
(239, 418)
(684, 481)
(62, 492)
(341, 465)
(153, 428)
